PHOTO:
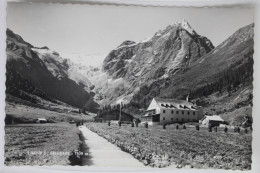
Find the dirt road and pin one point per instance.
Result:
(104, 154)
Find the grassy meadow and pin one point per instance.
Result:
(158, 147)
(40, 144)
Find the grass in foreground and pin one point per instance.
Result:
(197, 149)
(40, 144)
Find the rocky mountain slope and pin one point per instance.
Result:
(226, 68)
(163, 55)
(177, 62)
(62, 67)
(39, 72)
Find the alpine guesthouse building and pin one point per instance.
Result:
(165, 111)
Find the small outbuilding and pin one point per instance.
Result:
(41, 120)
(213, 120)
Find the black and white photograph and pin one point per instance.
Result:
(128, 86)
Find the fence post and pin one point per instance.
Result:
(225, 129)
(164, 126)
(197, 127)
(146, 125)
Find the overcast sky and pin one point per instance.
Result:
(96, 30)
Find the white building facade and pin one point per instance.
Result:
(166, 111)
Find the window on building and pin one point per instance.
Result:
(194, 120)
(193, 113)
(188, 119)
(182, 112)
(172, 112)
(163, 118)
(163, 111)
(172, 119)
(182, 119)
(177, 119)
(188, 112)
(177, 112)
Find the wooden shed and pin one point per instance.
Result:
(213, 120)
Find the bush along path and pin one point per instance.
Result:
(189, 148)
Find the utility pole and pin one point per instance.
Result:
(187, 98)
(120, 111)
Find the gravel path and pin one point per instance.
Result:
(104, 154)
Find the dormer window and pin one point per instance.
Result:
(193, 107)
(172, 106)
(163, 105)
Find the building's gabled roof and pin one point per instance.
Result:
(175, 104)
(213, 118)
(41, 119)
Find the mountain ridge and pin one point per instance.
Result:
(55, 82)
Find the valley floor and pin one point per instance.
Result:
(158, 147)
(30, 143)
(28, 114)
(38, 144)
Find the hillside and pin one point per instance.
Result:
(37, 72)
(177, 62)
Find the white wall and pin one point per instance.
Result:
(200, 113)
(172, 117)
(153, 123)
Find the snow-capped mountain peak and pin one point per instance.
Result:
(185, 25)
